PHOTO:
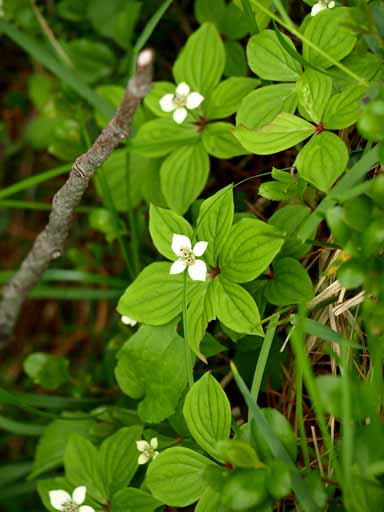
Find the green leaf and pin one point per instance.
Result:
(238, 453)
(155, 297)
(147, 170)
(290, 283)
(225, 99)
(219, 141)
(200, 312)
(261, 106)
(201, 62)
(152, 99)
(236, 308)
(163, 224)
(343, 109)
(313, 92)
(212, 11)
(235, 60)
(282, 133)
(82, 467)
(46, 369)
(184, 174)
(288, 219)
(92, 60)
(118, 458)
(210, 501)
(249, 249)
(270, 60)
(175, 477)
(245, 489)
(329, 31)
(286, 186)
(322, 160)
(134, 500)
(214, 222)
(151, 140)
(51, 447)
(152, 365)
(234, 24)
(207, 413)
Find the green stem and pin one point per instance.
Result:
(188, 354)
(300, 415)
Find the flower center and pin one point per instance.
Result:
(69, 506)
(179, 100)
(187, 256)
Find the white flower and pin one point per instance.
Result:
(128, 321)
(179, 102)
(148, 450)
(61, 500)
(321, 5)
(182, 247)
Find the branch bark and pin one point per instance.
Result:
(49, 244)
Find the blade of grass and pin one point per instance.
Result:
(20, 429)
(150, 27)
(40, 53)
(34, 180)
(298, 484)
(73, 293)
(38, 206)
(11, 472)
(56, 274)
(300, 415)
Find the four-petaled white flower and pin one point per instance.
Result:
(321, 5)
(62, 500)
(148, 450)
(179, 102)
(128, 321)
(182, 247)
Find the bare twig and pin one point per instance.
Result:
(50, 242)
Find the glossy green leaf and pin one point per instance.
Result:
(219, 141)
(212, 11)
(163, 224)
(261, 106)
(225, 99)
(234, 24)
(155, 297)
(207, 413)
(118, 458)
(282, 133)
(322, 160)
(151, 365)
(201, 62)
(175, 477)
(150, 139)
(329, 31)
(132, 499)
(184, 174)
(200, 312)
(313, 92)
(290, 283)
(249, 249)
(269, 60)
(215, 221)
(288, 219)
(235, 59)
(343, 109)
(236, 308)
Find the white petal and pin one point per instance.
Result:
(86, 508)
(154, 443)
(58, 499)
(179, 115)
(128, 321)
(182, 89)
(177, 267)
(198, 271)
(194, 100)
(143, 458)
(180, 242)
(199, 248)
(78, 495)
(331, 4)
(317, 8)
(166, 103)
(155, 454)
(142, 445)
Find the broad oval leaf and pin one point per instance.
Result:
(270, 60)
(184, 174)
(207, 413)
(236, 308)
(343, 109)
(155, 297)
(163, 224)
(322, 160)
(132, 499)
(200, 312)
(329, 31)
(219, 141)
(313, 92)
(201, 62)
(282, 133)
(151, 141)
(290, 283)
(249, 249)
(261, 106)
(175, 477)
(225, 99)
